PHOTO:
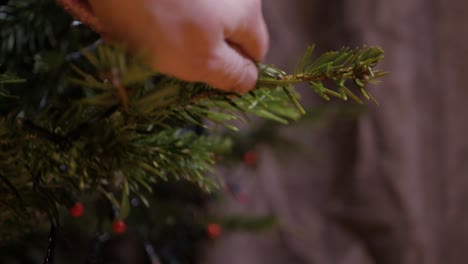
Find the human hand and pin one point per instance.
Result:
(212, 41)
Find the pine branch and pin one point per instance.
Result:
(127, 128)
(118, 128)
(33, 26)
(339, 66)
(130, 119)
(169, 98)
(8, 79)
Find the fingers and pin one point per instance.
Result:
(250, 34)
(253, 42)
(202, 46)
(231, 71)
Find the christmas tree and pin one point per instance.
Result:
(87, 130)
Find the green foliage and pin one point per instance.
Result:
(95, 120)
(33, 28)
(37, 41)
(340, 67)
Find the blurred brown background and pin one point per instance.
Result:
(389, 186)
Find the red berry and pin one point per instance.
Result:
(77, 210)
(213, 230)
(119, 227)
(250, 158)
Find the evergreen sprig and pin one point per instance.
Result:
(170, 98)
(29, 26)
(356, 65)
(129, 127)
(97, 121)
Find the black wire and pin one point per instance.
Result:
(49, 259)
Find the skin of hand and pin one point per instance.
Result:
(212, 41)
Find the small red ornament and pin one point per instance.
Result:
(77, 210)
(119, 227)
(213, 230)
(251, 158)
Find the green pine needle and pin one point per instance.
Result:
(95, 121)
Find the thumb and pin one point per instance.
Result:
(231, 70)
